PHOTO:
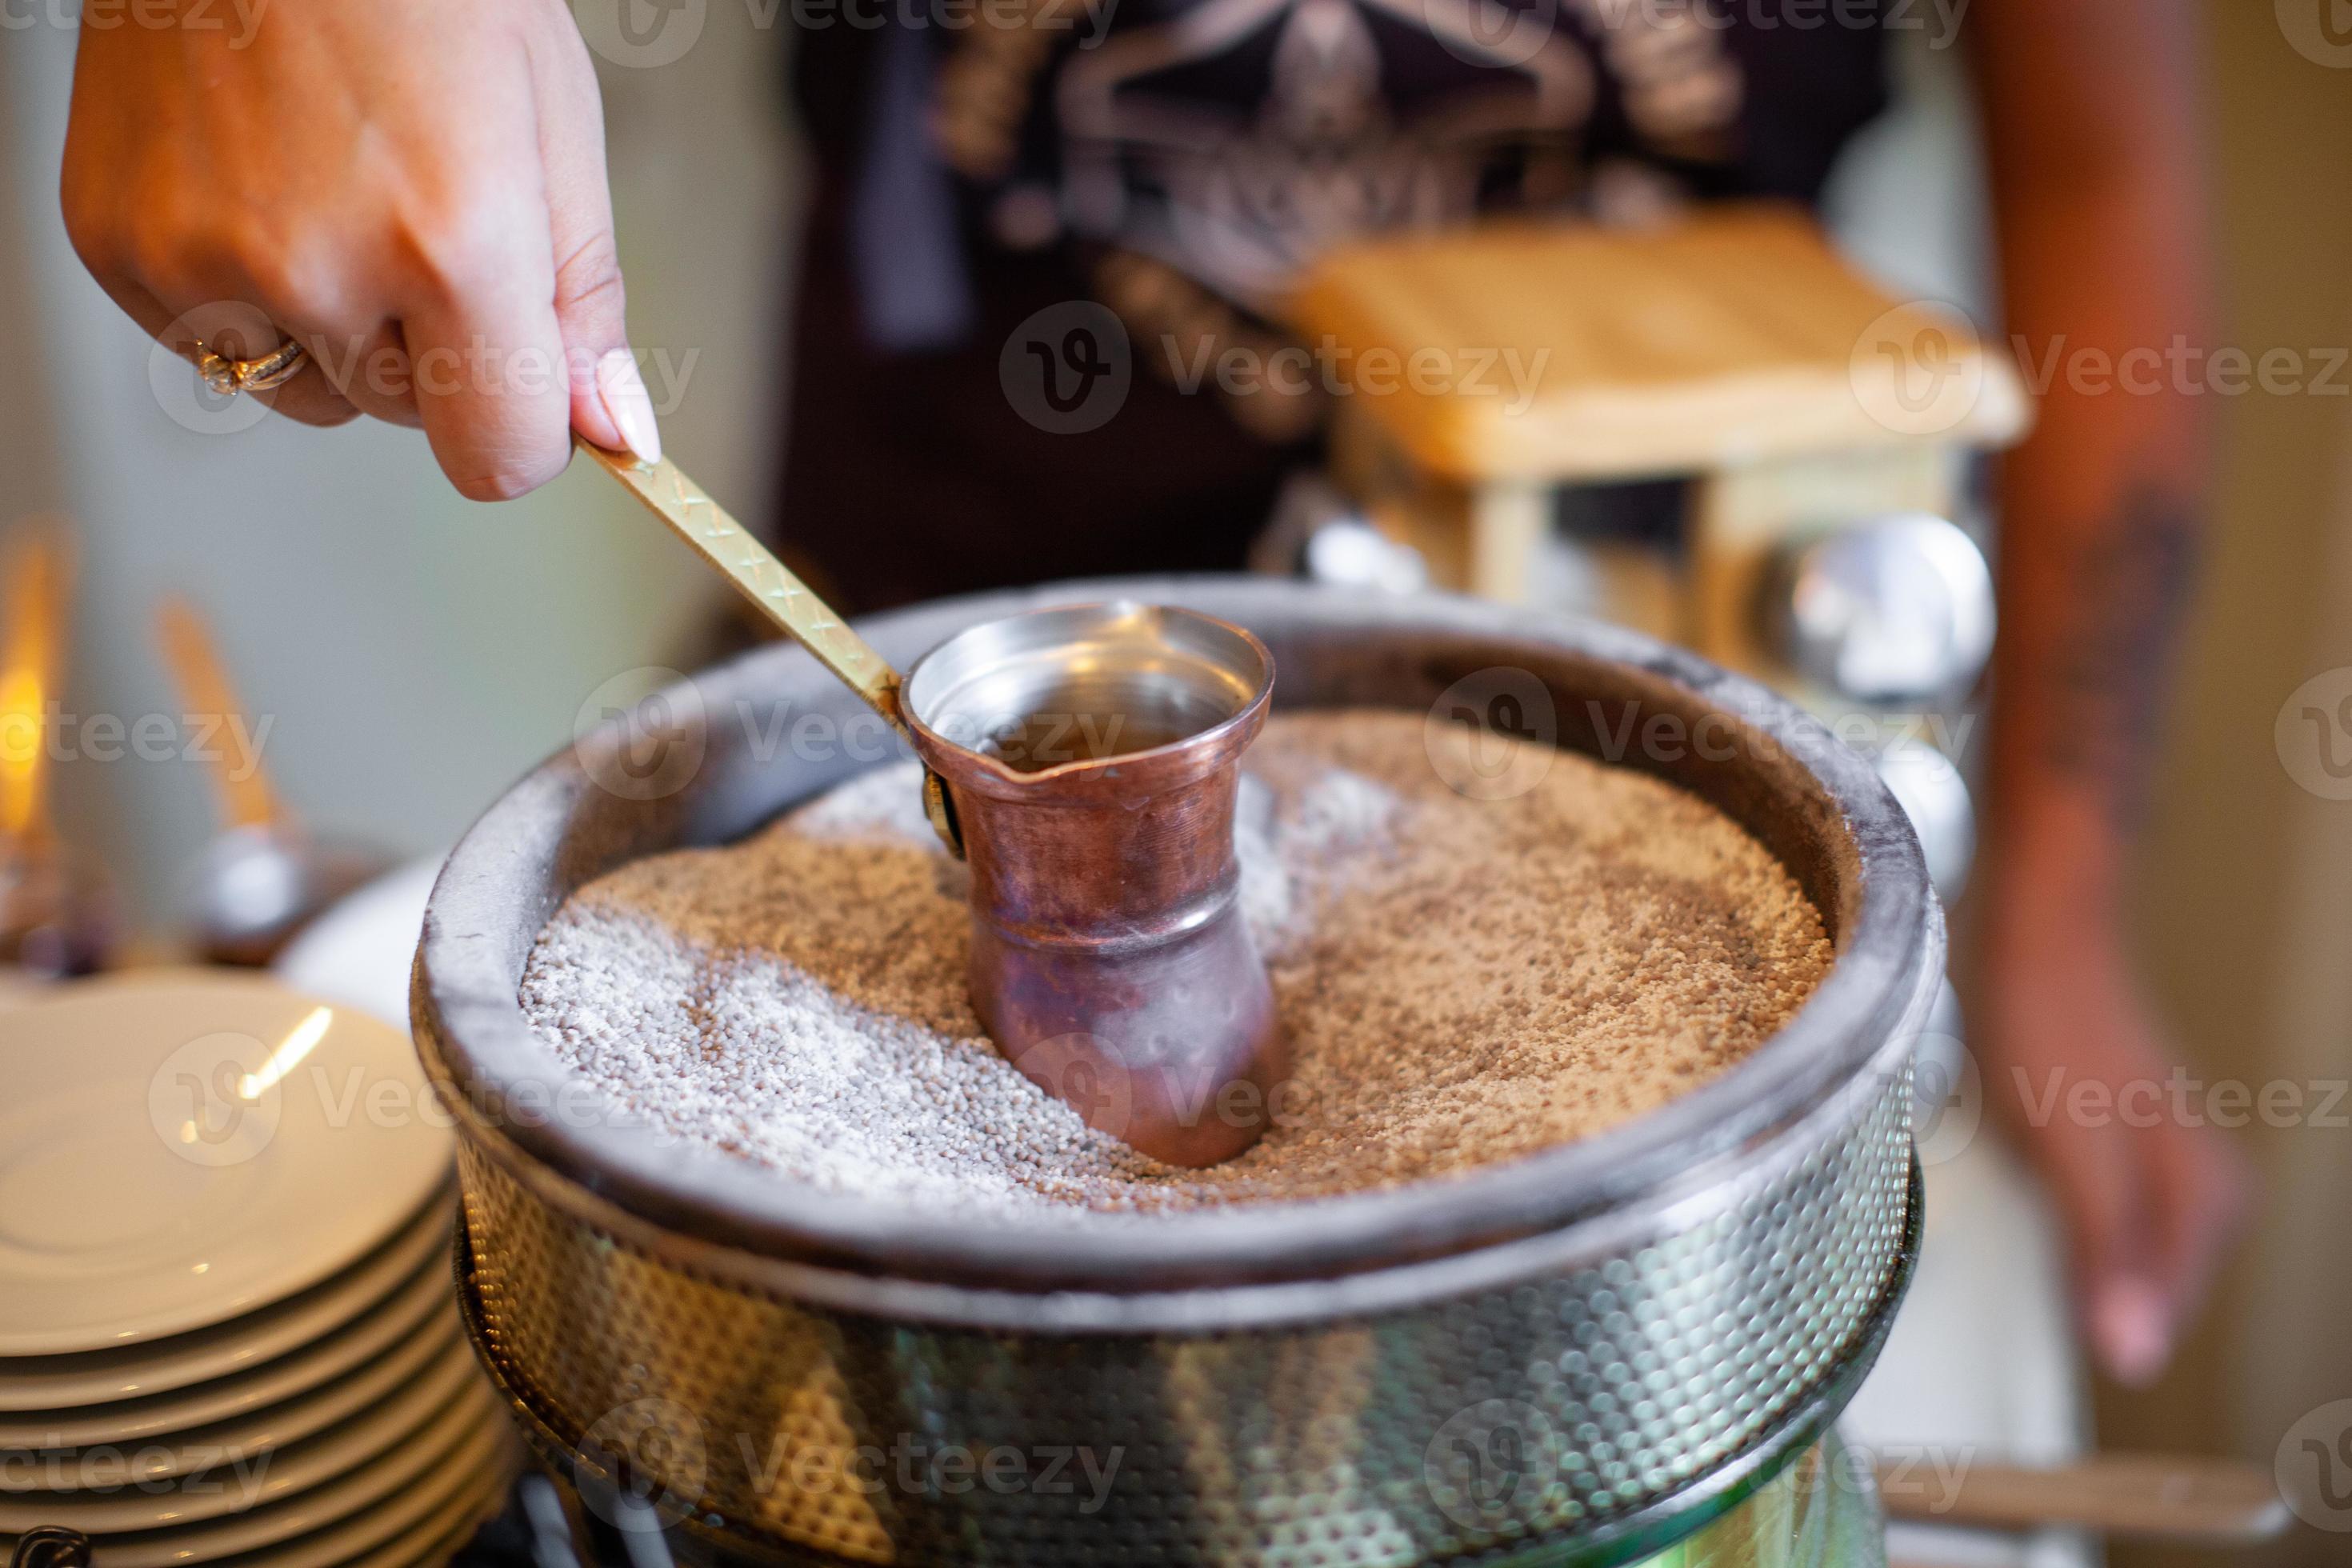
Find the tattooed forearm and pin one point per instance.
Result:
(2109, 660)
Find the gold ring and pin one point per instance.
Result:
(230, 377)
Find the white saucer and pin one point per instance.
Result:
(166, 1456)
(61, 1382)
(250, 1483)
(456, 1495)
(423, 1296)
(438, 1538)
(361, 950)
(178, 1148)
(466, 1436)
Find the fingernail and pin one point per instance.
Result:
(624, 392)
(2134, 1329)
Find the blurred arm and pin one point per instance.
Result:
(2092, 113)
(2093, 120)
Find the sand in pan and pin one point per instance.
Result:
(1464, 981)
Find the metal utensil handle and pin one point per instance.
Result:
(778, 595)
(758, 575)
(50, 1546)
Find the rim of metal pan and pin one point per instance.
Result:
(1816, 804)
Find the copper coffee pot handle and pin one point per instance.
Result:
(776, 593)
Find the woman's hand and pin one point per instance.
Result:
(412, 189)
(2074, 1056)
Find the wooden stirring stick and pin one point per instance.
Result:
(196, 668)
(2212, 1503)
(775, 593)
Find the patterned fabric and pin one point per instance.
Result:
(1179, 160)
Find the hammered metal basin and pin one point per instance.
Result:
(1584, 1355)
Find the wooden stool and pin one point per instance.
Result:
(1733, 349)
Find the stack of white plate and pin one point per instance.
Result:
(227, 1330)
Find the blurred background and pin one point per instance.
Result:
(413, 653)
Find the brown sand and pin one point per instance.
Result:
(1463, 981)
